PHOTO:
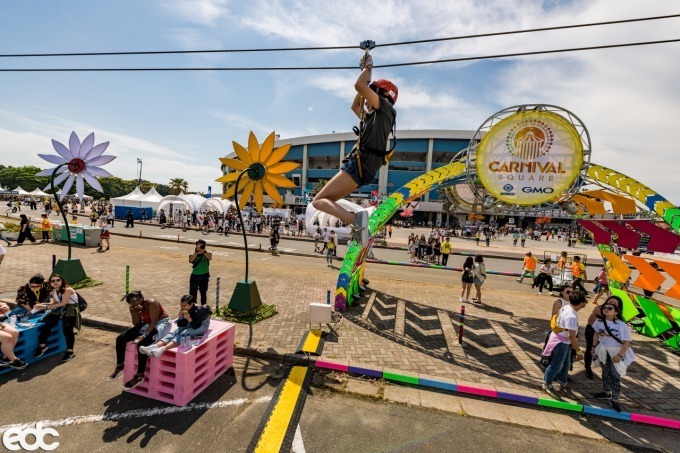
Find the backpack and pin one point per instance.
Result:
(82, 303)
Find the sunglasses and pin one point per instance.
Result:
(55, 280)
(608, 307)
(568, 292)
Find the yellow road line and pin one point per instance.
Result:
(279, 420)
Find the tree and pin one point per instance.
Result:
(319, 185)
(163, 189)
(178, 185)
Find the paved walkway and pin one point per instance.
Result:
(409, 325)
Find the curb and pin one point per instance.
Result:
(438, 383)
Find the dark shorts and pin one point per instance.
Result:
(370, 165)
(469, 279)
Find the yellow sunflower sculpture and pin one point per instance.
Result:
(264, 171)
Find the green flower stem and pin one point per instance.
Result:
(61, 209)
(240, 218)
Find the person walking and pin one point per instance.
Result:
(25, 230)
(602, 285)
(105, 235)
(544, 276)
(2, 229)
(467, 279)
(479, 276)
(578, 271)
(562, 340)
(129, 219)
(200, 273)
(529, 267)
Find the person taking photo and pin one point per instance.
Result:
(200, 273)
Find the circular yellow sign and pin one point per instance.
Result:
(529, 158)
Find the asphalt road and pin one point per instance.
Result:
(91, 414)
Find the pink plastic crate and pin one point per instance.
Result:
(180, 374)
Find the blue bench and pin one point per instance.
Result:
(28, 342)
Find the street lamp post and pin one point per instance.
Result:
(139, 180)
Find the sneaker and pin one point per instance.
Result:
(589, 374)
(40, 351)
(99, 249)
(134, 382)
(116, 372)
(19, 364)
(540, 292)
(551, 294)
(615, 405)
(5, 361)
(146, 350)
(547, 388)
(157, 352)
(603, 396)
(518, 280)
(461, 299)
(68, 355)
(361, 227)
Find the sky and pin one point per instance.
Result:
(179, 123)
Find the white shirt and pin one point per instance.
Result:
(618, 328)
(567, 318)
(546, 269)
(2, 250)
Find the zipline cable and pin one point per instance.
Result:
(330, 68)
(287, 49)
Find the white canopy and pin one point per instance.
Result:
(193, 202)
(134, 198)
(39, 193)
(151, 196)
(20, 191)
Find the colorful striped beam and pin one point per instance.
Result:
(331, 365)
(366, 371)
(608, 413)
(439, 383)
(656, 421)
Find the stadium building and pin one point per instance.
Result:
(416, 152)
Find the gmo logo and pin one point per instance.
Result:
(538, 189)
(508, 187)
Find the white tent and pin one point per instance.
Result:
(39, 193)
(194, 202)
(20, 191)
(131, 199)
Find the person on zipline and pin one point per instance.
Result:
(374, 105)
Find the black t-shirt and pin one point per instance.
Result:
(378, 125)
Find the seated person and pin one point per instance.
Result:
(9, 336)
(36, 291)
(192, 321)
(150, 321)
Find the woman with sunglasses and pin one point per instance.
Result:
(64, 306)
(612, 340)
(563, 300)
(596, 314)
(150, 321)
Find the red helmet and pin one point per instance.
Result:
(389, 89)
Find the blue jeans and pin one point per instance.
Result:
(559, 365)
(188, 332)
(4, 239)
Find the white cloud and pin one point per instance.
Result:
(203, 12)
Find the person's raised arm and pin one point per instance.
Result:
(361, 85)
